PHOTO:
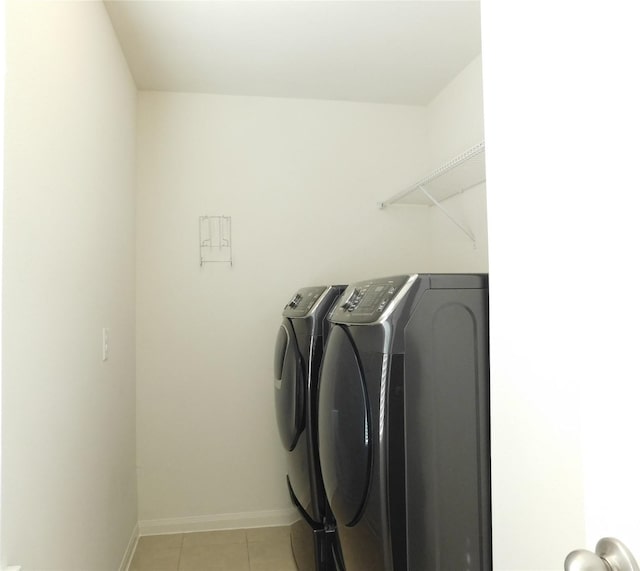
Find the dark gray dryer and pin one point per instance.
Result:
(298, 352)
(404, 423)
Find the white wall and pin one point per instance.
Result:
(3, 69)
(68, 481)
(455, 119)
(562, 119)
(301, 180)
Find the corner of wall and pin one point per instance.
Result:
(131, 548)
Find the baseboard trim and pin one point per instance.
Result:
(131, 547)
(243, 520)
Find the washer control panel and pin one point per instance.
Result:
(304, 301)
(365, 302)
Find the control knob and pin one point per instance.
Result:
(295, 301)
(352, 301)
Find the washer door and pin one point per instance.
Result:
(289, 386)
(344, 423)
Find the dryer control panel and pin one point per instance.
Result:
(304, 301)
(368, 301)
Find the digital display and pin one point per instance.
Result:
(310, 298)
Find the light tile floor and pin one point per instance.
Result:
(259, 549)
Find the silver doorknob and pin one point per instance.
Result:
(583, 560)
(610, 555)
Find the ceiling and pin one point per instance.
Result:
(395, 51)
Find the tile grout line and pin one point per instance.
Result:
(246, 539)
(180, 554)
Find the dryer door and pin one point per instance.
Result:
(289, 386)
(344, 424)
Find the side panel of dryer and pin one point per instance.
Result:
(447, 432)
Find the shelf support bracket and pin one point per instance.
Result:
(450, 216)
